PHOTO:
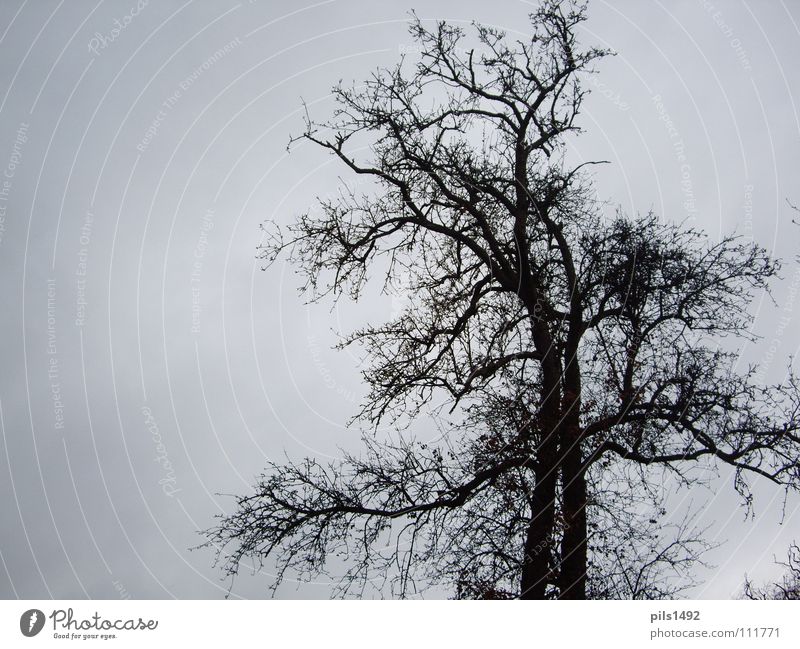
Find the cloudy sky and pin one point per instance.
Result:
(150, 365)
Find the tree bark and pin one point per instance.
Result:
(573, 567)
(536, 570)
(572, 575)
(539, 538)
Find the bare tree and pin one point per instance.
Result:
(580, 353)
(789, 585)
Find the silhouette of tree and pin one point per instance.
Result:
(579, 350)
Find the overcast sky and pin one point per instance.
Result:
(149, 364)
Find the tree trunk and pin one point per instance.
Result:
(538, 541)
(572, 576)
(572, 573)
(536, 569)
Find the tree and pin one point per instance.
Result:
(789, 585)
(577, 354)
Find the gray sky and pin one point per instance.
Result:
(148, 363)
